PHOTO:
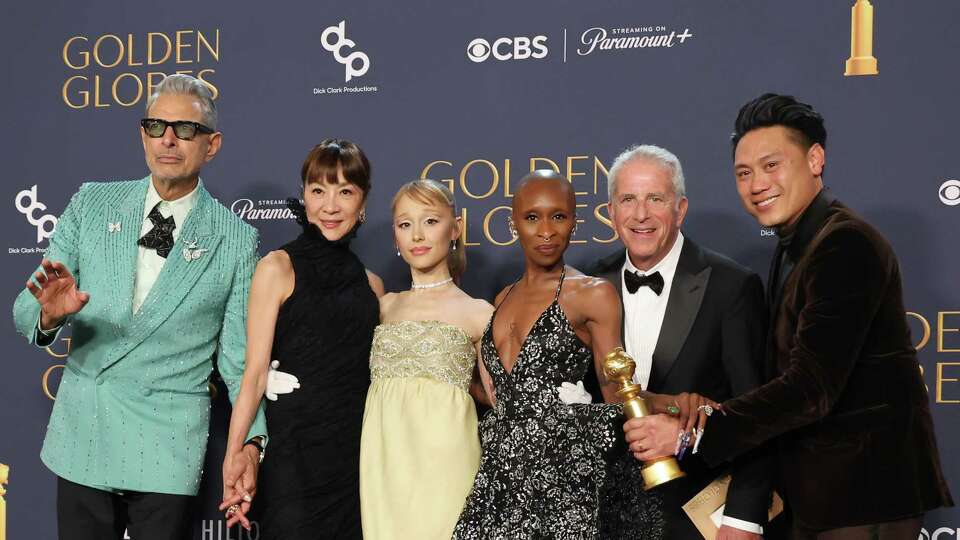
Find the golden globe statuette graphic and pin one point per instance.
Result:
(618, 367)
(861, 61)
(4, 472)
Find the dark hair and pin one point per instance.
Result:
(803, 123)
(333, 155)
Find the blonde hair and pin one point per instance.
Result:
(431, 192)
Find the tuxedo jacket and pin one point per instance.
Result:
(132, 410)
(848, 404)
(711, 342)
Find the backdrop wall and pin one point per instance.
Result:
(476, 94)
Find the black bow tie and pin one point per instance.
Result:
(634, 281)
(160, 237)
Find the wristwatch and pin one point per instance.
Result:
(257, 442)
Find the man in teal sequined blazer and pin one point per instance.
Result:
(153, 276)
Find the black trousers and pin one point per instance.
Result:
(85, 513)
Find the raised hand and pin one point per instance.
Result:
(56, 291)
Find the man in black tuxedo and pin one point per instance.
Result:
(693, 320)
(847, 410)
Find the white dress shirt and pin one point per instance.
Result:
(149, 264)
(643, 312)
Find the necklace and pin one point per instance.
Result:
(417, 286)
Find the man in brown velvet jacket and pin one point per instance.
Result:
(846, 401)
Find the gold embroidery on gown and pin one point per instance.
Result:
(419, 451)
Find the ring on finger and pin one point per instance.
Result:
(234, 508)
(674, 409)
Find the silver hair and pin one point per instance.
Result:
(184, 84)
(660, 156)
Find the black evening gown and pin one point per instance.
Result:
(548, 469)
(309, 481)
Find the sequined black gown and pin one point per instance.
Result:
(309, 481)
(548, 469)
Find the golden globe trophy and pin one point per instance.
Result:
(618, 367)
(861, 61)
(4, 472)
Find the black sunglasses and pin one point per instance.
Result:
(183, 129)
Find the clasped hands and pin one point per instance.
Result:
(240, 468)
(675, 418)
(239, 484)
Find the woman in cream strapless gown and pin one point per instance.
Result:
(419, 450)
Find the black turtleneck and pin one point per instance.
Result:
(793, 241)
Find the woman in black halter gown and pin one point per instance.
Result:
(547, 467)
(313, 307)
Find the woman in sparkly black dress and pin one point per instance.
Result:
(547, 467)
(313, 307)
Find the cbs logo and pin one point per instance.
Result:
(950, 192)
(30, 211)
(515, 48)
(349, 61)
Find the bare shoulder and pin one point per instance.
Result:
(476, 313)
(375, 283)
(275, 264)
(590, 287)
(591, 295)
(387, 302)
(482, 306)
(480, 310)
(274, 277)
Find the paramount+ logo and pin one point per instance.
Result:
(508, 48)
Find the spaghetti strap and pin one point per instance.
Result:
(556, 297)
(504, 299)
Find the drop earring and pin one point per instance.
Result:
(513, 229)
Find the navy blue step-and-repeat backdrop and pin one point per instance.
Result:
(476, 94)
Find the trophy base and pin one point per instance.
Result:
(659, 472)
(861, 65)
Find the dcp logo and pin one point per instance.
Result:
(30, 210)
(950, 192)
(515, 48)
(349, 61)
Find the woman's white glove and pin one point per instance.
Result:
(574, 393)
(279, 382)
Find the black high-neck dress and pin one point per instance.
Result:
(309, 481)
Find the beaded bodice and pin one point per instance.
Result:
(430, 349)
